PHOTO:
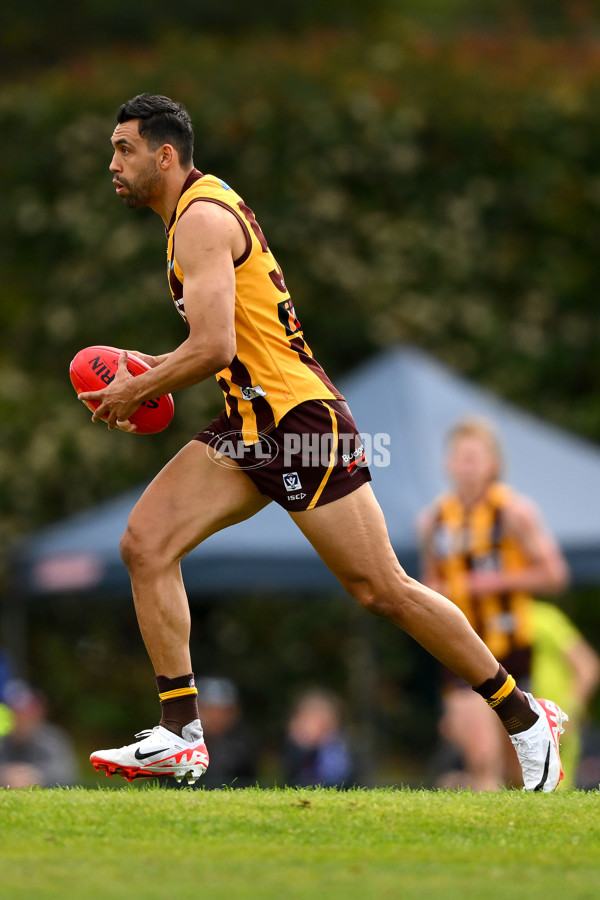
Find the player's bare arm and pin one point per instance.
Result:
(546, 572)
(208, 239)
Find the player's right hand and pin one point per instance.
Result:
(115, 403)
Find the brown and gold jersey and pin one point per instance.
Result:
(274, 369)
(476, 539)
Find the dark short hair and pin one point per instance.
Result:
(162, 121)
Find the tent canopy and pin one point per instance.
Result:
(404, 403)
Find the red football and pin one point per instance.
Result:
(95, 367)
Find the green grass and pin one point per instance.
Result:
(287, 845)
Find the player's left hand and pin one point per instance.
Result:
(116, 405)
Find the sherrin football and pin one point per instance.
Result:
(95, 367)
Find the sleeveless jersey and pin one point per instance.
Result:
(475, 539)
(273, 370)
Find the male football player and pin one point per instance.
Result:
(242, 328)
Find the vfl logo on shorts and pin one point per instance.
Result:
(291, 481)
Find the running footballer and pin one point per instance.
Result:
(242, 328)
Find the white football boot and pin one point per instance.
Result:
(537, 748)
(157, 752)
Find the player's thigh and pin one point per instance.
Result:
(351, 537)
(195, 495)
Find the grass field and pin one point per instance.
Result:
(280, 844)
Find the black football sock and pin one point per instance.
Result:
(508, 701)
(178, 701)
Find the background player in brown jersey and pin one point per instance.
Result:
(486, 547)
(219, 254)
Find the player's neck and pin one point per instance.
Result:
(166, 202)
(471, 494)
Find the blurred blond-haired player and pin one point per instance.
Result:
(486, 547)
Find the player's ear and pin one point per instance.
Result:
(167, 155)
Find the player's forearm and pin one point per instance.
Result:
(189, 364)
(534, 579)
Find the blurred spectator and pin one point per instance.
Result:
(231, 744)
(316, 750)
(6, 717)
(567, 669)
(487, 549)
(34, 752)
(5, 673)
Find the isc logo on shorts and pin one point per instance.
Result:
(291, 481)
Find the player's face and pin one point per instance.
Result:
(135, 172)
(472, 463)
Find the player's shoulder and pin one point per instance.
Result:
(208, 200)
(208, 187)
(211, 220)
(519, 509)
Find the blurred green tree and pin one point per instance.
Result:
(35, 35)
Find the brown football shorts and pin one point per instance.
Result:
(315, 454)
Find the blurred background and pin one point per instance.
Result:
(426, 173)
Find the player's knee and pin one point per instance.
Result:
(136, 550)
(128, 549)
(385, 599)
(372, 597)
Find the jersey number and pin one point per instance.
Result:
(276, 275)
